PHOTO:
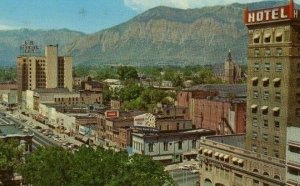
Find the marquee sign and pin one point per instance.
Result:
(271, 14)
(29, 47)
(111, 114)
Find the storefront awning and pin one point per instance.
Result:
(265, 79)
(216, 154)
(241, 161)
(226, 157)
(209, 152)
(234, 159)
(254, 79)
(221, 155)
(276, 109)
(276, 80)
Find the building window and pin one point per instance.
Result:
(256, 52)
(264, 110)
(238, 178)
(254, 135)
(265, 137)
(255, 94)
(254, 108)
(267, 38)
(266, 123)
(278, 67)
(256, 38)
(151, 147)
(254, 148)
(254, 81)
(297, 112)
(277, 95)
(276, 111)
(267, 67)
(276, 153)
(255, 183)
(166, 144)
(277, 82)
(265, 81)
(278, 51)
(276, 139)
(179, 145)
(278, 37)
(267, 52)
(194, 142)
(276, 125)
(254, 121)
(265, 150)
(298, 98)
(266, 95)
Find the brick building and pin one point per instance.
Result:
(221, 108)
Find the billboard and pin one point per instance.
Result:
(112, 114)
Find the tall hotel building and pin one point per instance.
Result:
(269, 153)
(49, 71)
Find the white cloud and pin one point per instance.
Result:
(6, 27)
(142, 5)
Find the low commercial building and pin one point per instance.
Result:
(168, 147)
(221, 108)
(225, 161)
(10, 99)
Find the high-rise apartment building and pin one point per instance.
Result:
(49, 71)
(273, 92)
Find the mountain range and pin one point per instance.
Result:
(159, 36)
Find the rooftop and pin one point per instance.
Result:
(238, 90)
(52, 90)
(236, 140)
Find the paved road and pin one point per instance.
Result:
(184, 177)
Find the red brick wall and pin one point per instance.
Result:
(241, 118)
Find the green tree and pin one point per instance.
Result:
(10, 159)
(127, 72)
(130, 92)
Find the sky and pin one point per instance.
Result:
(86, 16)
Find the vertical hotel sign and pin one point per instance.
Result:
(272, 14)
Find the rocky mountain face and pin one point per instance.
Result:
(159, 36)
(169, 36)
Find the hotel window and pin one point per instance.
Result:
(277, 95)
(150, 147)
(277, 82)
(256, 66)
(265, 150)
(264, 110)
(294, 171)
(276, 125)
(256, 52)
(267, 38)
(267, 52)
(254, 121)
(254, 81)
(297, 112)
(267, 67)
(256, 38)
(278, 67)
(179, 145)
(265, 137)
(255, 94)
(254, 135)
(276, 139)
(266, 123)
(278, 51)
(298, 67)
(254, 148)
(276, 111)
(276, 153)
(166, 146)
(266, 95)
(278, 37)
(265, 81)
(254, 108)
(255, 183)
